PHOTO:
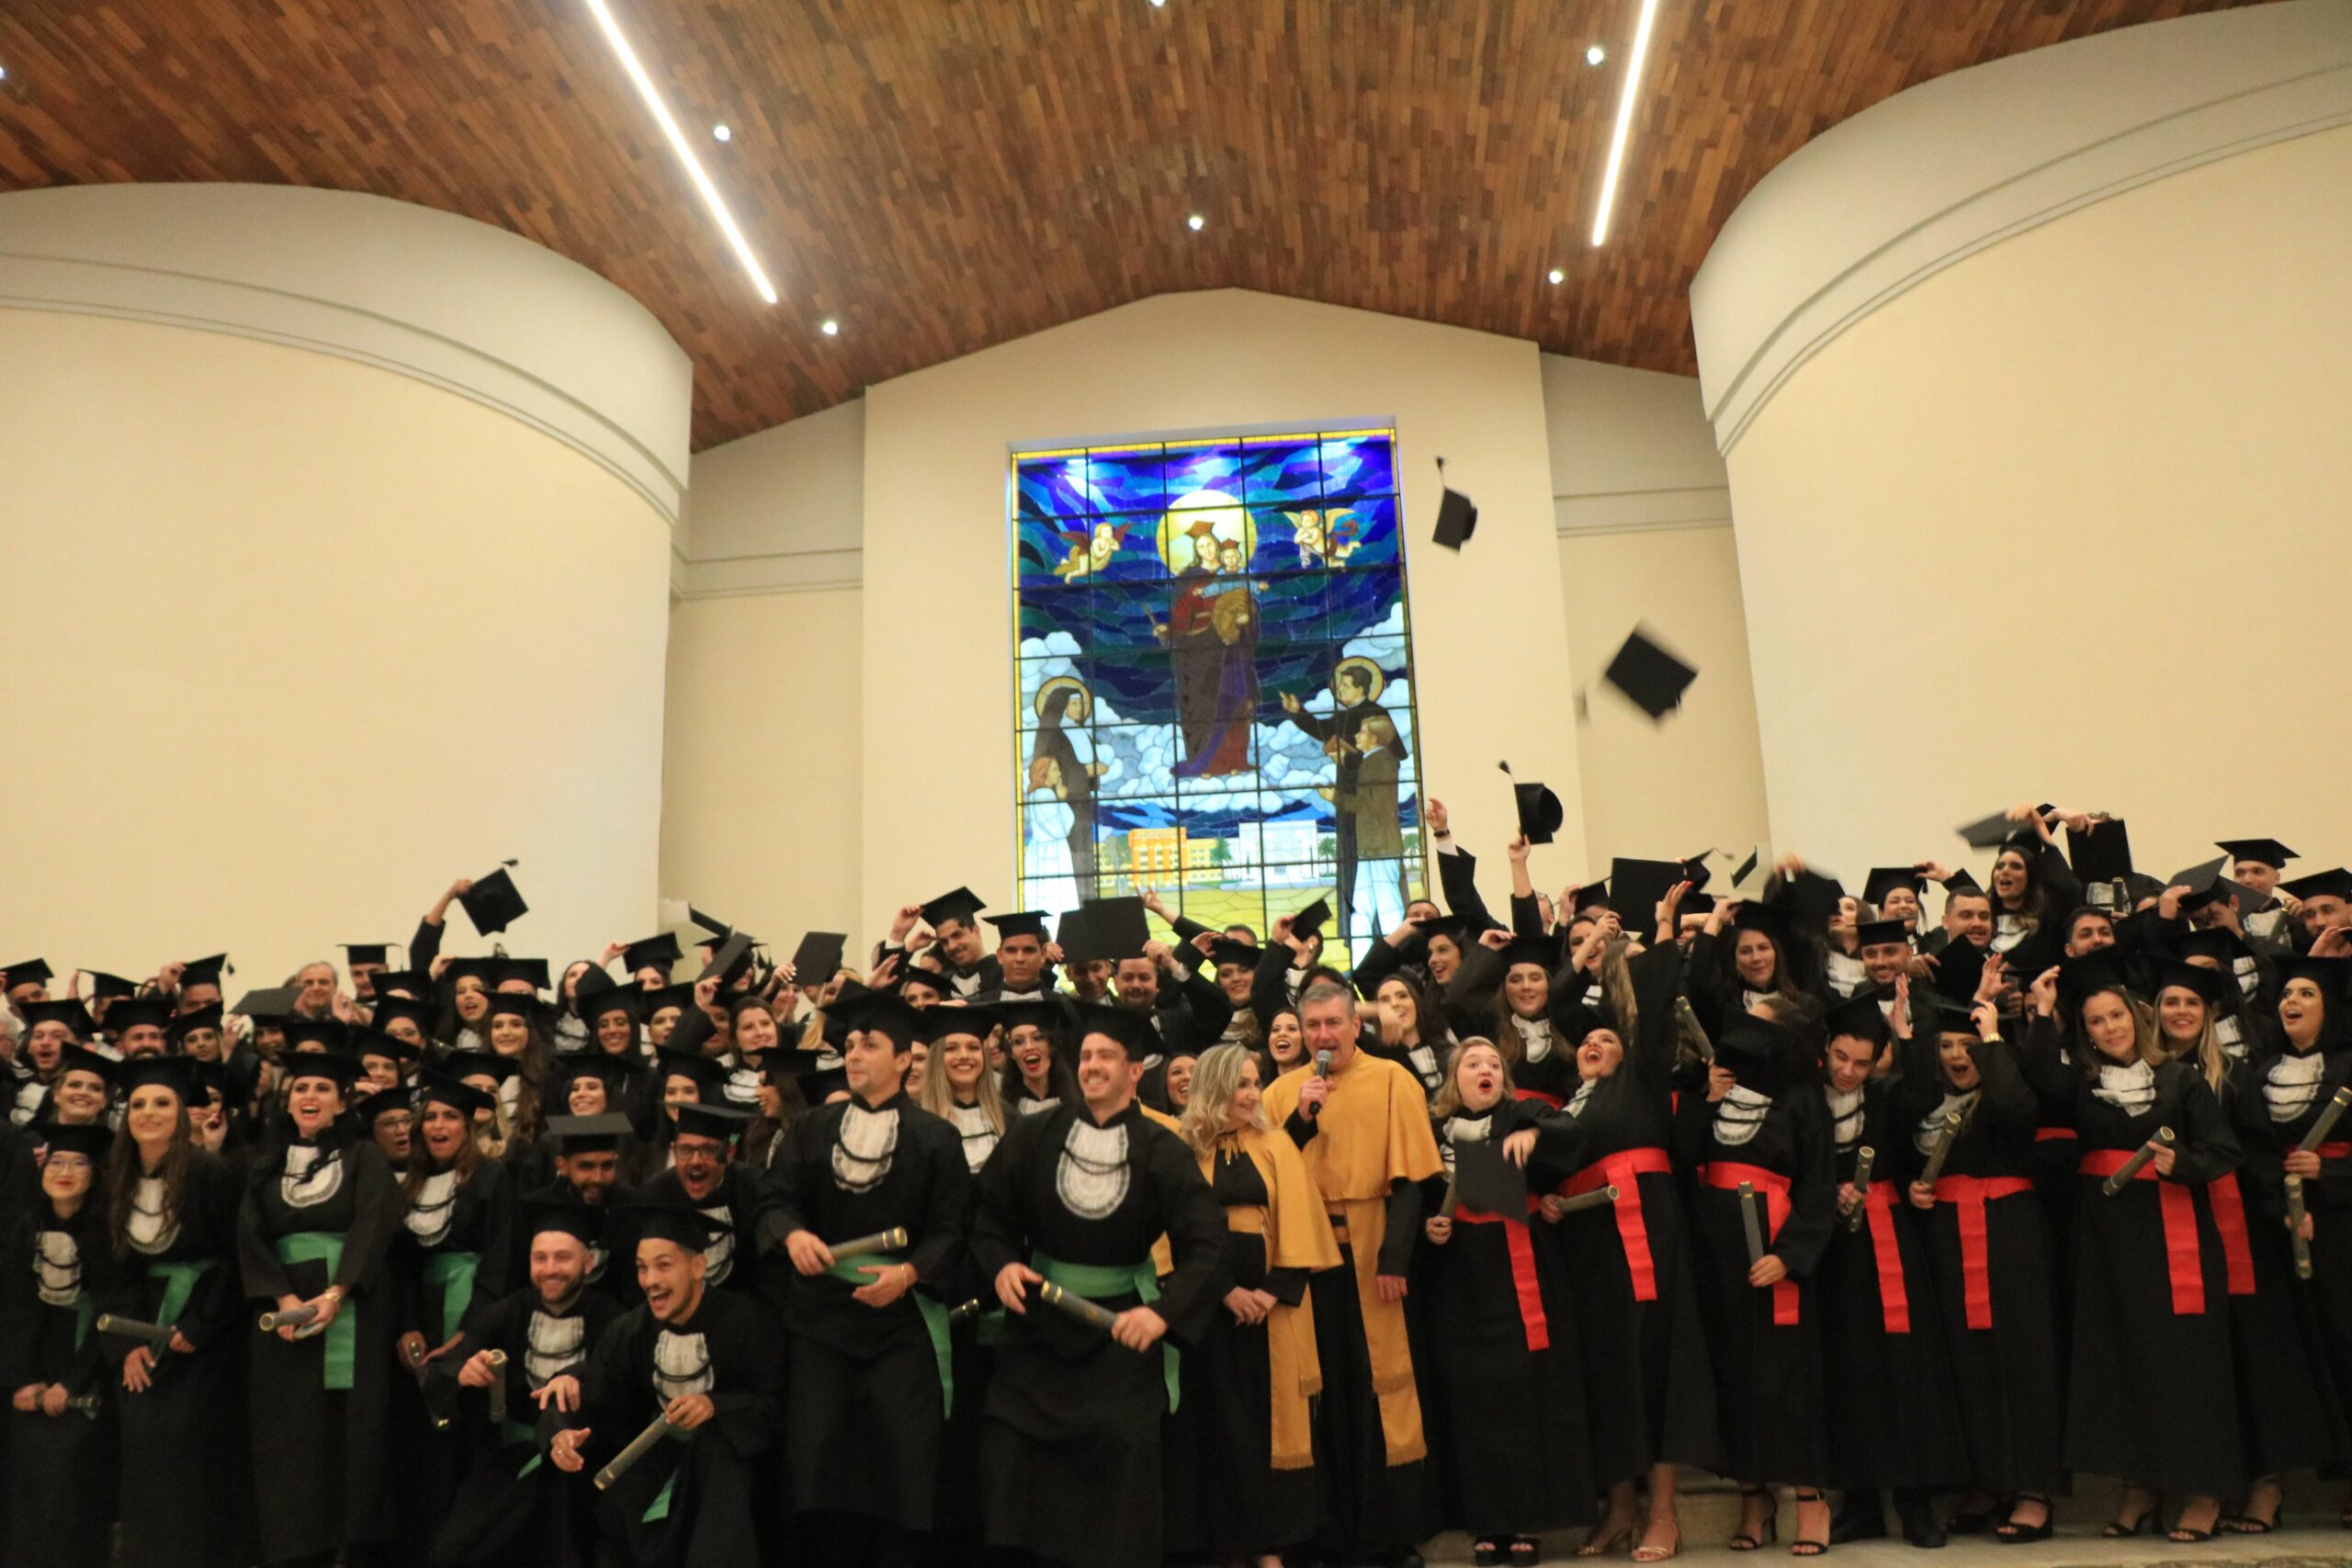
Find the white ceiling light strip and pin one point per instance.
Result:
(1634, 63)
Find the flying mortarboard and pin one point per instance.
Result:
(1457, 514)
(2103, 855)
(1308, 922)
(1540, 812)
(1654, 679)
(492, 903)
(719, 930)
(1991, 832)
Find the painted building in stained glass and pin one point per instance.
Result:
(1215, 661)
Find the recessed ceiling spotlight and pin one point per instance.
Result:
(1157, 5)
(1595, 55)
(719, 132)
(1196, 222)
(1556, 275)
(832, 328)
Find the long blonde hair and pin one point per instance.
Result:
(938, 1097)
(1215, 1074)
(1448, 1098)
(2212, 1062)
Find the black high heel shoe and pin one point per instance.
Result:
(1805, 1546)
(2008, 1532)
(1753, 1541)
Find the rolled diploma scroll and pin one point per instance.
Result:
(1863, 1163)
(2129, 1169)
(638, 1447)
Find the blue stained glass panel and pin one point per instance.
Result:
(1054, 485)
(1124, 615)
(1049, 609)
(1132, 688)
(1281, 473)
(1294, 608)
(1364, 532)
(1196, 466)
(1358, 465)
(1128, 479)
(1137, 758)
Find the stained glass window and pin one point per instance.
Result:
(1214, 660)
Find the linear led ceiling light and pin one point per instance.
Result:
(1634, 63)
(678, 144)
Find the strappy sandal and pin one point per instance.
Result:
(1659, 1554)
(1598, 1545)
(1805, 1546)
(1746, 1541)
(2182, 1535)
(2008, 1532)
(2117, 1529)
(1525, 1551)
(2246, 1523)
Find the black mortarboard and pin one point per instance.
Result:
(1540, 812)
(481, 1064)
(1956, 1015)
(673, 1223)
(1049, 1016)
(368, 951)
(734, 956)
(1636, 885)
(82, 1059)
(334, 1066)
(517, 1004)
(1695, 872)
(960, 904)
(416, 1012)
(1773, 920)
(331, 1032)
(492, 904)
(1811, 898)
(28, 972)
(1130, 1027)
(2099, 969)
(592, 1002)
(1486, 1182)
(130, 1012)
(1860, 1016)
(369, 1041)
(1700, 904)
(681, 997)
(532, 971)
(1989, 833)
(915, 974)
(614, 1070)
(1884, 879)
(1310, 921)
(272, 1002)
(2219, 943)
(2204, 882)
(711, 1118)
(1649, 674)
(1755, 1051)
(458, 1096)
(587, 1134)
(206, 1017)
(103, 986)
(91, 1140)
(172, 1073)
(1225, 950)
(415, 982)
(1959, 966)
(2261, 851)
(889, 1016)
(2333, 882)
(1543, 951)
(1457, 518)
(206, 971)
(584, 1222)
(1022, 923)
(2332, 976)
(1747, 867)
(2215, 986)
(652, 953)
(1875, 933)
(67, 1011)
(1108, 928)
(819, 957)
(719, 930)
(2103, 855)
(937, 1024)
(1961, 881)
(709, 1074)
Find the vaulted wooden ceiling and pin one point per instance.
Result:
(939, 175)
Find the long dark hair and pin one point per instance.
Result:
(124, 1169)
(421, 1168)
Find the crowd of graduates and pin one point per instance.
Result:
(1032, 1240)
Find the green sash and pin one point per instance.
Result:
(935, 1319)
(341, 1341)
(1096, 1282)
(659, 1507)
(514, 1432)
(451, 1275)
(179, 1283)
(84, 1314)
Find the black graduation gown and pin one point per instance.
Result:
(60, 1486)
(1769, 1395)
(748, 1258)
(2142, 1373)
(1649, 1380)
(514, 1506)
(1508, 1371)
(2292, 1409)
(322, 1460)
(728, 1350)
(866, 1381)
(1069, 1452)
(2003, 1353)
(1894, 1417)
(1225, 1497)
(184, 1443)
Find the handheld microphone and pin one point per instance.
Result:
(1322, 1070)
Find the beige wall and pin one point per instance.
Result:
(2066, 521)
(761, 807)
(296, 640)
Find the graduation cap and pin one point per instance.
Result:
(130, 1012)
(1959, 966)
(613, 1072)
(2214, 985)
(1129, 1026)
(1225, 950)
(2261, 851)
(531, 971)
(439, 1088)
(708, 1075)
(1857, 1016)
(1747, 867)
(1308, 922)
(2205, 883)
(272, 1002)
(331, 1032)
(1812, 897)
(415, 982)
(175, 1074)
(1487, 1182)
(1774, 920)
(1956, 1015)
(82, 1059)
(514, 1004)
(673, 1223)
(938, 1024)
(1050, 1017)
(370, 1042)
(376, 952)
(1023, 922)
(1988, 832)
(337, 1069)
(652, 952)
(2219, 943)
(1962, 882)
(681, 997)
(1700, 904)
(1695, 872)
(2332, 976)
(2334, 883)
(1636, 885)
(205, 971)
(733, 957)
(719, 930)
(30, 972)
(91, 1140)
(1457, 514)
(889, 1016)
(1540, 813)
(599, 993)
(1876, 933)
(106, 988)
(1884, 879)
(1593, 895)
(67, 1011)
(2099, 969)
(2102, 854)
(914, 974)
(588, 1134)
(481, 1064)
(584, 1222)
(1543, 951)
(960, 904)
(416, 1012)
(710, 1120)
(819, 957)
(1649, 675)
(492, 903)
(1107, 928)
(1755, 1051)
(187, 1023)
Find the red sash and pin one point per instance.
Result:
(1624, 1170)
(1523, 1271)
(1893, 1300)
(1553, 1100)
(2229, 1218)
(2333, 1151)
(1774, 1187)
(2182, 1259)
(2054, 1135)
(1968, 1195)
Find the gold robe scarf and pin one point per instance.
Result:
(1297, 1235)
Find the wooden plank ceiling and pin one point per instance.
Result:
(943, 174)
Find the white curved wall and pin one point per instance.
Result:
(298, 634)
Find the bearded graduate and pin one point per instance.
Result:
(1073, 1200)
(1241, 1458)
(59, 1490)
(1762, 1124)
(704, 1361)
(1362, 1123)
(313, 1236)
(869, 1348)
(172, 1221)
(513, 1507)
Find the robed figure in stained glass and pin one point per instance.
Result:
(1058, 766)
(1212, 636)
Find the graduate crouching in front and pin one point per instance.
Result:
(702, 1369)
(1071, 1203)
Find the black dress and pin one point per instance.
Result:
(61, 1468)
(184, 1436)
(320, 1405)
(456, 1245)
